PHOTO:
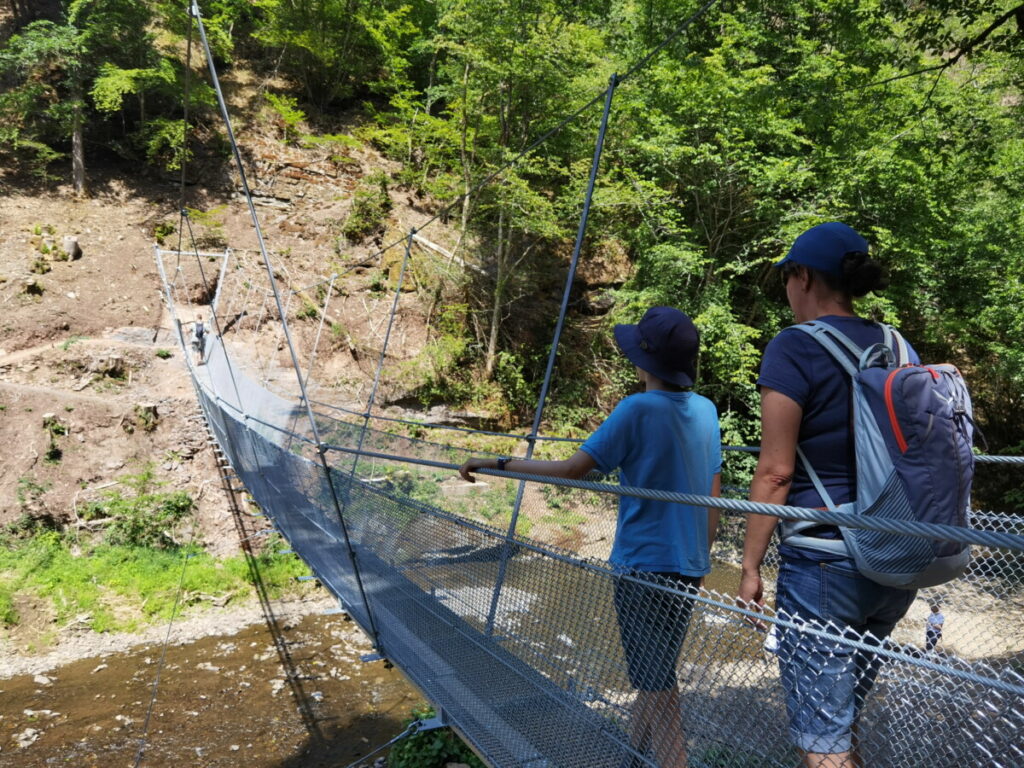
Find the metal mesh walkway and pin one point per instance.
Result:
(529, 667)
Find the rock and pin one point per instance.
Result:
(100, 667)
(108, 365)
(42, 680)
(27, 737)
(145, 417)
(71, 247)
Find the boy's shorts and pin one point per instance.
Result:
(826, 679)
(653, 624)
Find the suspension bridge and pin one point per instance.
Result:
(496, 600)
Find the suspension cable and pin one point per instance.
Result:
(143, 738)
(409, 731)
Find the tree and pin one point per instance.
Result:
(99, 49)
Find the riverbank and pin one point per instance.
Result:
(229, 688)
(75, 641)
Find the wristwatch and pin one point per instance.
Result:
(502, 462)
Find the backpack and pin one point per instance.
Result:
(913, 436)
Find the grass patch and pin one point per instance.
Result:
(8, 615)
(120, 587)
(127, 571)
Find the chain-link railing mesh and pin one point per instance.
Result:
(543, 656)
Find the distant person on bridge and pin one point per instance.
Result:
(668, 438)
(933, 628)
(806, 403)
(199, 339)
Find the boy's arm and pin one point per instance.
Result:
(573, 468)
(713, 512)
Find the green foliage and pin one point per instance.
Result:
(210, 226)
(286, 110)
(308, 311)
(142, 518)
(112, 83)
(29, 491)
(95, 582)
(8, 614)
(762, 120)
(370, 206)
(337, 48)
(164, 229)
(164, 354)
(164, 143)
(430, 749)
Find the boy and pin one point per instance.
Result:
(667, 438)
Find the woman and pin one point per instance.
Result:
(806, 404)
(667, 438)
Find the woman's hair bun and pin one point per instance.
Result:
(862, 274)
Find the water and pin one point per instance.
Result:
(222, 701)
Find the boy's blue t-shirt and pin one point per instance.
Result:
(800, 368)
(667, 441)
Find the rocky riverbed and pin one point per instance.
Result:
(287, 692)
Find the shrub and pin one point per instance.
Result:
(286, 110)
(144, 518)
(370, 205)
(431, 749)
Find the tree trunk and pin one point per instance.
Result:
(77, 151)
(499, 295)
(467, 174)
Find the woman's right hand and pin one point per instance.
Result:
(751, 594)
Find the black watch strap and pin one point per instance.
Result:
(502, 462)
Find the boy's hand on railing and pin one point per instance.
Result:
(471, 465)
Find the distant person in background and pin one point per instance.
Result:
(806, 401)
(199, 339)
(668, 438)
(933, 628)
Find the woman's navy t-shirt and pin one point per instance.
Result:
(798, 366)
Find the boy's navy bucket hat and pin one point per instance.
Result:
(824, 246)
(664, 343)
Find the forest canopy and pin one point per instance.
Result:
(903, 119)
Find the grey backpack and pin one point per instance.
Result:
(913, 437)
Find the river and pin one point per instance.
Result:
(225, 700)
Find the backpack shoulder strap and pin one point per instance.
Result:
(894, 341)
(828, 337)
(818, 485)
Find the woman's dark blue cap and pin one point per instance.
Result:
(824, 246)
